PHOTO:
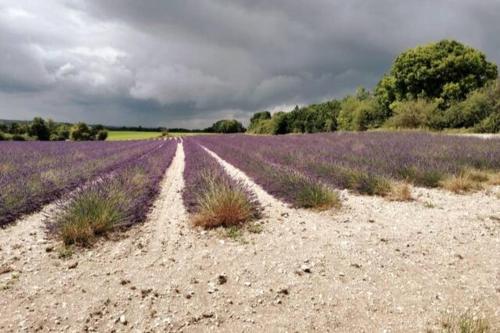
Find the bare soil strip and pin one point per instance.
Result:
(373, 266)
(169, 208)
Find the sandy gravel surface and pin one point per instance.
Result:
(373, 266)
(480, 135)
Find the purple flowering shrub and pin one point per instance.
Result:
(35, 173)
(211, 195)
(116, 200)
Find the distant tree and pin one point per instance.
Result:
(80, 132)
(64, 131)
(481, 110)
(39, 129)
(258, 121)
(420, 113)
(260, 115)
(18, 137)
(313, 118)
(51, 125)
(362, 93)
(446, 70)
(102, 135)
(278, 124)
(310, 119)
(16, 128)
(61, 133)
(227, 126)
(95, 129)
(360, 112)
(490, 124)
(2, 137)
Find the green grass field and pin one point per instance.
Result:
(132, 135)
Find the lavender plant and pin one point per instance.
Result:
(116, 200)
(211, 195)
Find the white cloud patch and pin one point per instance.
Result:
(178, 84)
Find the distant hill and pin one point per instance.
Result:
(7, 122)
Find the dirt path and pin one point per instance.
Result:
(374, 266)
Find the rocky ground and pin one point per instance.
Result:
(373, 266)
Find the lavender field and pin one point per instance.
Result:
(302, 170)
(36, 173)
(117, 199)
(263, 222)
(363, 162)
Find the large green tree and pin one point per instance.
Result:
(446, 70)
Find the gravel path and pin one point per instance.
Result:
(373, 266)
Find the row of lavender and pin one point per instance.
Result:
(280, 180)
(211, 195)
(116, 200)
(363, 162)
(35, 173)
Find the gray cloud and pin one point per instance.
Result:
(189, 62)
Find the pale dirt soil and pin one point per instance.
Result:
(373, 266)
(480, 135)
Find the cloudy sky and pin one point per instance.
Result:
(189, 62)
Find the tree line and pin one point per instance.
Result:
(49, 130)
(443, 85)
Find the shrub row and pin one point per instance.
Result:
(48, 130)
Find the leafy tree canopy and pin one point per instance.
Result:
(446, 70)
(39, 129)
(227, 126)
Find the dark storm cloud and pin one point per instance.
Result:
(187, 62)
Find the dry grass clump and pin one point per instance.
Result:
(91, 212)
(477, 175)
(465, 323)
(460, 184)
(317, 196)
(400, 191)
(222, 204)
(468, 180)
(494, 178)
